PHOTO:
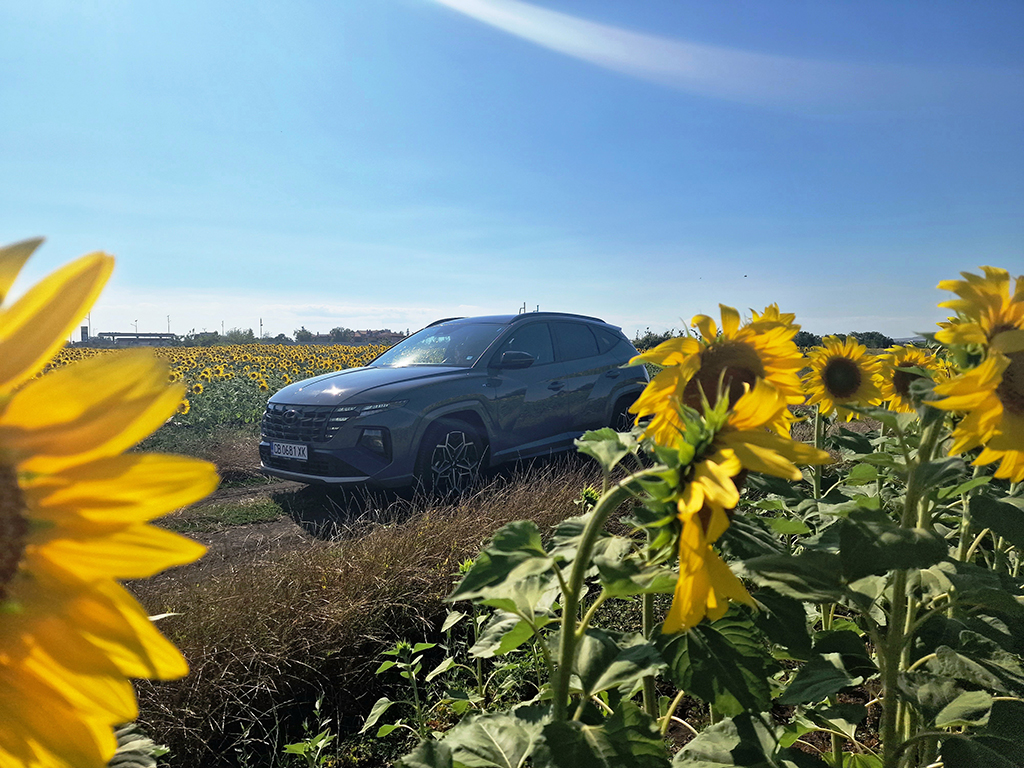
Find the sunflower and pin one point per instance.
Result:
(842, 373)
(747, 442)
(73, 519)
(772, 314)
(197, 388)
(735, 358)
(896, 378)
(992, 394)
(984, 310)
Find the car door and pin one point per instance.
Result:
(577, 347)
(531, 411)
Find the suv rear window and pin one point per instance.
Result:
(574, 341)
(606, 340)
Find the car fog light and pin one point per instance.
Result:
(376, 440)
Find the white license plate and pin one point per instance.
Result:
(289, 451)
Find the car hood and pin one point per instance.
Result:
(357, 384)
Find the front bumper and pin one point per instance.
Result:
(345, 459)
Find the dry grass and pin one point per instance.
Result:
(264, 638)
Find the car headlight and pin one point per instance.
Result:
(344, 413)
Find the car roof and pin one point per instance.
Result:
(509, 319)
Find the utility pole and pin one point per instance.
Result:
(168, 323)
(261, 327)
(136, 324)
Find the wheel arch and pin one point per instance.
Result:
(623, 400)
(467, 416)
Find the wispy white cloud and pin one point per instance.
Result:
(734, 74)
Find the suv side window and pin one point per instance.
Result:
(534, 338)
(574, 341)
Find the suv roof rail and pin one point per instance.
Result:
(528, 315)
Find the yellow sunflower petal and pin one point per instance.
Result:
(970, 390)
(771, 454)
(730, 320)
(1008, 342)
(704, 588)
(108, 617)
(30, 715)
(91, 409)
(12, 259)
(91, 550)
(83, 677)
(36, 325)
(133, 487)
(670, 352)
(706, 326)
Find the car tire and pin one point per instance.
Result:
(622, 419)
(450, 458)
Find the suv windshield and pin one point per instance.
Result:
(458, 344)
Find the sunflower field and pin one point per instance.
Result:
(729, 596)
(229, 385)
(854, 599)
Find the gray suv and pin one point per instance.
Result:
(457, 397)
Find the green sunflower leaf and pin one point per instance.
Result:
(819, 678)
(743, 741)
(429, 754)
(495, 740)
(959, 752)
(783, 621)
(503, 633)
(607, 661)
(621, 578)
(607, 446)
(515, 551)
(725, 663)
(967, 709)
(629, 738)
(870, 543)
(1003, 517)
(812, 575)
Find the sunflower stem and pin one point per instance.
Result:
(569, 639)
(894, 654)
(818, 440)
(878, 475)
(650, 693)
(965, 522)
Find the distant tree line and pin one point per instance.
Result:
(336, 335)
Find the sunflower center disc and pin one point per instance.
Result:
(1011, 389)
(734, 363)
(901, 381)
(841, 377)
(13, 527)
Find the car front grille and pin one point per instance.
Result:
(300, 423)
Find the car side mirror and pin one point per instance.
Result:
(514, 359)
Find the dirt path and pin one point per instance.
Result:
(243, 493)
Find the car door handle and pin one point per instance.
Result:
(555, 386)
(613, 374)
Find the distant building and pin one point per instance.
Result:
(118, 339)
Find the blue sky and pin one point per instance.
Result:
(384, 163)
